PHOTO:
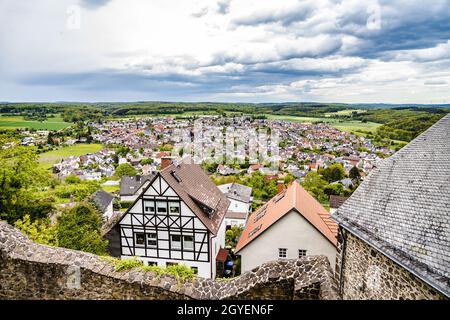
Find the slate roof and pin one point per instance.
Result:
(237, 191)
(403, 207)
(102, 199)
(293, 198)
(130, 184)
(196, 189)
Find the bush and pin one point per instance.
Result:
(79, 229)
(39, 231)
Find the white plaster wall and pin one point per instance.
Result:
(203, 267)
(238, 206)
(292, 232)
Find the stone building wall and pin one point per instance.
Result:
(32, 271)
(368, 274)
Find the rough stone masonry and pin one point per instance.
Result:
(33, 271)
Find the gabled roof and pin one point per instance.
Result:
(337, 201)
(102, 199)
(129, 185)
(237, 191)
(197, 190)
(293, 198)
(403, 207)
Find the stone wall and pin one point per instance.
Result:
(32, 271)
(368, 274)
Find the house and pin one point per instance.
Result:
(290, 225)
(132, 186)
(241, 199)
(336, 202)
(225, 170)
(394, 235)
(177, 218)
(104, 203)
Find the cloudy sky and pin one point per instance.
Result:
(393, 51)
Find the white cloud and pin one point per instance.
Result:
(260, 50)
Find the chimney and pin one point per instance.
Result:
(280, 185)
(165, 162)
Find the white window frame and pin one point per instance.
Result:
(172, 243)
(135, 239)
(282, 253)
(175, 205)
(185, 242)
(151, 205)
(159, 204)
(302, 253)
(155, 238)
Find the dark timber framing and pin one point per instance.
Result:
(161, 222)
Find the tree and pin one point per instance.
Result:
(334, 172)
(146, 161)
(315, 184)
(79, 229)
(125, 169)
(20, 180)
(354, 174)
(39, 231)
(232, 236)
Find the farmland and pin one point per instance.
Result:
(47, 159)
(344, 125)
(15, 122)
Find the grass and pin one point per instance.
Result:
(48, 159)
(352, 126)
(111, 189)
(347, 126)
(16, 122)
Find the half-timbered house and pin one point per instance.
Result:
(178, 218)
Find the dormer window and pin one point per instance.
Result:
(175, 176)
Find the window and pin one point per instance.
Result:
(188, 242)
(162, 207)
(152, 240)
(282, 253)
(149, 206)
(195, 269)
(139, 238)
(152, 263)
(174, 208)
(301, 253)
(168, 264)
(175, 240)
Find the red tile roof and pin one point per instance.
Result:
(293, 198)
(222, 255)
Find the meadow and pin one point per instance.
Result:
(347, 126)
(48, 159)
(16, 122)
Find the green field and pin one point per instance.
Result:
(111, 189)
(297, 119)
(352, 126)
(48, 159)
(347, 126)
(15, 122)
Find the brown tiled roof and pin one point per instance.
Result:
(337, 201)
(222, 255)
(293, 198)
(236, 215)
(196, 189)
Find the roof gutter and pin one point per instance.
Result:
(393, 258)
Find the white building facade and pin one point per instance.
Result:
(163, 228)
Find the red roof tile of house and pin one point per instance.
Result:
(293, 198)
(222, 255)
